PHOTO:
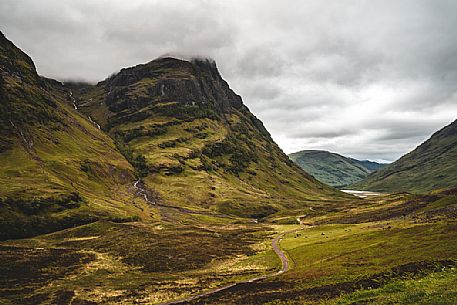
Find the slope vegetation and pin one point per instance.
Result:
(57, 169)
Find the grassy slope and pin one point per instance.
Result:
(430, 166)
(369, 253)
(330, 168)
(58, 169)
(197, 155)
(434, 288)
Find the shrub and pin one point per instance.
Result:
(138, 162)
(240, 154)
(140, 166)
(43, 205)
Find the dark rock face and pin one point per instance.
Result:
(167, 80)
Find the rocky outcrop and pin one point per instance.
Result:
(162, 81)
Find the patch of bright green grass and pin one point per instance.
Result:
(345, 252)
(435, 288)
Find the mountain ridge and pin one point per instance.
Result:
(58, 169)
(430, 166)
(333, 168)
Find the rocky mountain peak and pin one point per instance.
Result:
(170, 80)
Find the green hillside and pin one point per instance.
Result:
(430, 166)
(333, 169)
(57, 169)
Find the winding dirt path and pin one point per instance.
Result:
(282, 256)
(142, 191)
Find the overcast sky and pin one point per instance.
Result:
(369, 79)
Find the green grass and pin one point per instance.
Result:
(183, 254)
(435, 288)
(350, 263)
(348, 252)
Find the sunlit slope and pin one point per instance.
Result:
(57, 168)
(432, 165)
(194, 140)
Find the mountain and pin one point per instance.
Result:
(175, 124)
(430, 166)
(333, 169)
(370, 165)
(194, 142)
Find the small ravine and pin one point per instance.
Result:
(73, 100)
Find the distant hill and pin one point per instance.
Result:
(432, 165)
(333, 169)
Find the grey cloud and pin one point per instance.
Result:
(259, 61)
(403, 129)
(263, 91)
(371, 79)
(323, 133)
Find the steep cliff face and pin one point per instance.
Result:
(170, 80)
(22, 100)
(195, 142)
(15, 62)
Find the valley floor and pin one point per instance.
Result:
(381, 250)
